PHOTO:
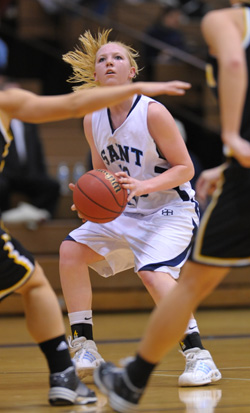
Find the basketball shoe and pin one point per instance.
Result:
(67, 389)
(200, 368)
(114, 382)
(84, 355)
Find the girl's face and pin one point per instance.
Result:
(112, 66)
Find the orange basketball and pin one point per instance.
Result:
(99, 197)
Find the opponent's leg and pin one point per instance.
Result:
(197, 358)
(125, 386)
(45, 324)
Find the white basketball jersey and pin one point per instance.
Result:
(131, 148)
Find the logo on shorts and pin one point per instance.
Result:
(167, 212)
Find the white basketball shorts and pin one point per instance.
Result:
(157, 242)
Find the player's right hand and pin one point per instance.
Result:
(207, 182)
(239, 148)
(73, 207)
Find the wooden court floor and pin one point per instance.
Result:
(225, 333)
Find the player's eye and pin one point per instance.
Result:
(118, 57)
(101, 59)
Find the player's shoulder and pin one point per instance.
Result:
(144, 98)
(219, 16)
(149, 102)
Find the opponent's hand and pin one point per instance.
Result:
(239, 148)
(207, 182)
(173, 88)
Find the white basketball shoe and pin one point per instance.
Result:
(200, 368)
(84, 355)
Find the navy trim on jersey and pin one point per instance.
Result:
(160, 170)
(69, 238)
(197, 208)
(183, 194)
(132, 107)
(170, 263)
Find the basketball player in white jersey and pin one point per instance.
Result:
(140, 142)
(223, 238)
(19, 271)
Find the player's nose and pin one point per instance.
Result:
(109, 61)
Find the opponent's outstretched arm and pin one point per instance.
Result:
(29, 107)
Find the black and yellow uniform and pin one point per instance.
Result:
(223, 238)
(16, 263)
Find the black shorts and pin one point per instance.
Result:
(223, 237)
(16, 264)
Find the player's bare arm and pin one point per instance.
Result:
(224, 38)
(29, 107)
(166, 134)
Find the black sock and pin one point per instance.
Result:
(57, 353)
(139, 371)
(82, 330)
(191, 341)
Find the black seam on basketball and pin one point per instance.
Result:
(99, 179)
(100, 205)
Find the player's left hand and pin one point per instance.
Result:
(134, 186)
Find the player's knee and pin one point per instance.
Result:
(70, 253)
(64, 252)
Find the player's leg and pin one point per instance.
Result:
(19, 273)
(196, 282)
(126, 386)
(172, 235)
(37, 294)
(77, 290)
(158, 285)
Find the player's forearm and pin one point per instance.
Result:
(175, 176)
(87, 101)
(232, 91)
(90, 100)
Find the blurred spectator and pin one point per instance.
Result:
(4, 53)
(98, 6)
(166, 28)
(191, 8)
(4, 4)
(25, 172)
(194, 8)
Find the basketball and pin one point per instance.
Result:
(99, 197)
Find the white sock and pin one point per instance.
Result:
(80, 317)
(192, 327)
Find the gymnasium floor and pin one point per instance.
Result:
(225, 333)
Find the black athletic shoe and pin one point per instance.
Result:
(114, 382)
(66, 388)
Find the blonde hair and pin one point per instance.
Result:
(83, 58)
